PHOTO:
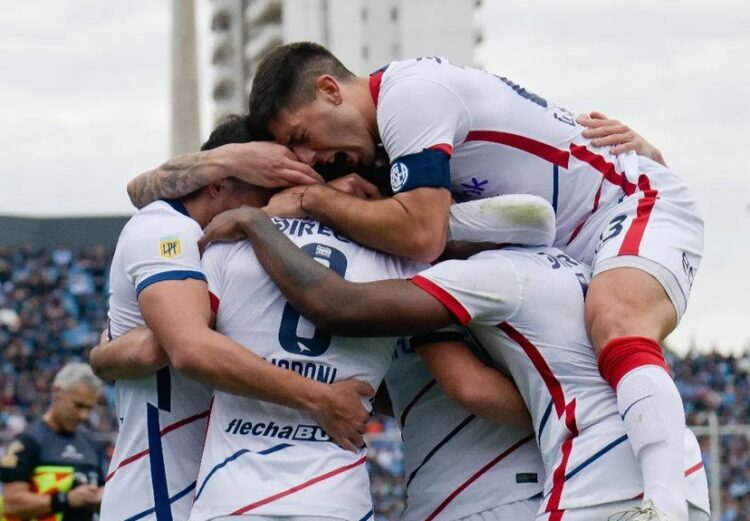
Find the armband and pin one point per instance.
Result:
(428, 168)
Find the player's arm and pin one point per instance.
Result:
(412, 224)
(337, 306)
(132, 355)
(479, 388)
(609, 132)
(260, 163)
(179, 314)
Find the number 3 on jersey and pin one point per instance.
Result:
(289, 336)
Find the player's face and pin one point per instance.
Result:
(73, 406)
(322, 132)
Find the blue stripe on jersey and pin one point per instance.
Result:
(173, 499)
(555, 186)
(164, 389)
(596, 456)
(233, 457)
(543, 423)
(178, 206)
(156, 461)
(169, 275)
(437, 447)
(367, 515)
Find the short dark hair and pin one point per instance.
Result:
(232, 129)
(285, 79)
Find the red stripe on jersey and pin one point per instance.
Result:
(477, 475)
(297, 488)
(604, 167)
(631, 244)
(695, 468)
(375, 80)
(532, 146)
(561, 408)
(553, 385)
(214, 302)
(445, 147)
(166, 430)
(445, 298)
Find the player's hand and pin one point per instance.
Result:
(610, 132)
(287, 203)
(84, 496)
(341, 414)
(229, 226)
(355, 185)
(264, 163)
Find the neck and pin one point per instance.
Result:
(198, 210)
(49, 419)
(366, 106)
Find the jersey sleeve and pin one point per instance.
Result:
(163, 249)
(485, 290)
(20, 460)
(420, 121)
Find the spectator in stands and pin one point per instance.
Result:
(53, 467)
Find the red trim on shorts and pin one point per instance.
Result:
(297, 488)
(375, 80)
(622, 355)
(444, 147)
(563, 409)
(214, 302)
(632, 242)
(543, 150)
(604, 167)
(445, 298)
(166, 430)
(477, 475)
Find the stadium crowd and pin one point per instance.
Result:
(53, 307)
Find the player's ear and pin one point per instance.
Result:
(328, 88)
(219, 187)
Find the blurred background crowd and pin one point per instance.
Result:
(53, 306)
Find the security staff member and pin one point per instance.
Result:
(53, 470)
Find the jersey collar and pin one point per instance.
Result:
(376, 79)
(178, 206)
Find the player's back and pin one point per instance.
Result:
(527, 307)
(266, 459)
(162, 416)
(502, 139)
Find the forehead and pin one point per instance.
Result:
(82, 393)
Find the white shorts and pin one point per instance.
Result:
(603, 512)
(523, 510)
(657, 229)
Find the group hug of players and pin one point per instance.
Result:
(511, 292)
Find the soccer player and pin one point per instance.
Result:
(53, 470)
(526, 307)
(450, 129)
(156, 279)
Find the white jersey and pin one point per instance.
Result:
(162, 417)
(266, 459)
(526, 307)
(456, 464)
(500, 138)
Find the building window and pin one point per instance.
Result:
(224, 89)
(363, 14)
(222, 54)
(222, 21)
(394, 14)
(365, 52)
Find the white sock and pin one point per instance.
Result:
(652, 410)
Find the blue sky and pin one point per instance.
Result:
(84, 100)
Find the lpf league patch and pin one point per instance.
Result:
(170, 247)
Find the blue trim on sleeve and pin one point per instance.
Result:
(428, 168)
(169, 275)
(177, 206)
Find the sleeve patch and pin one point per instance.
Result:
(428, 168)
(170, 247)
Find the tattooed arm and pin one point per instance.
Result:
(260, 163)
